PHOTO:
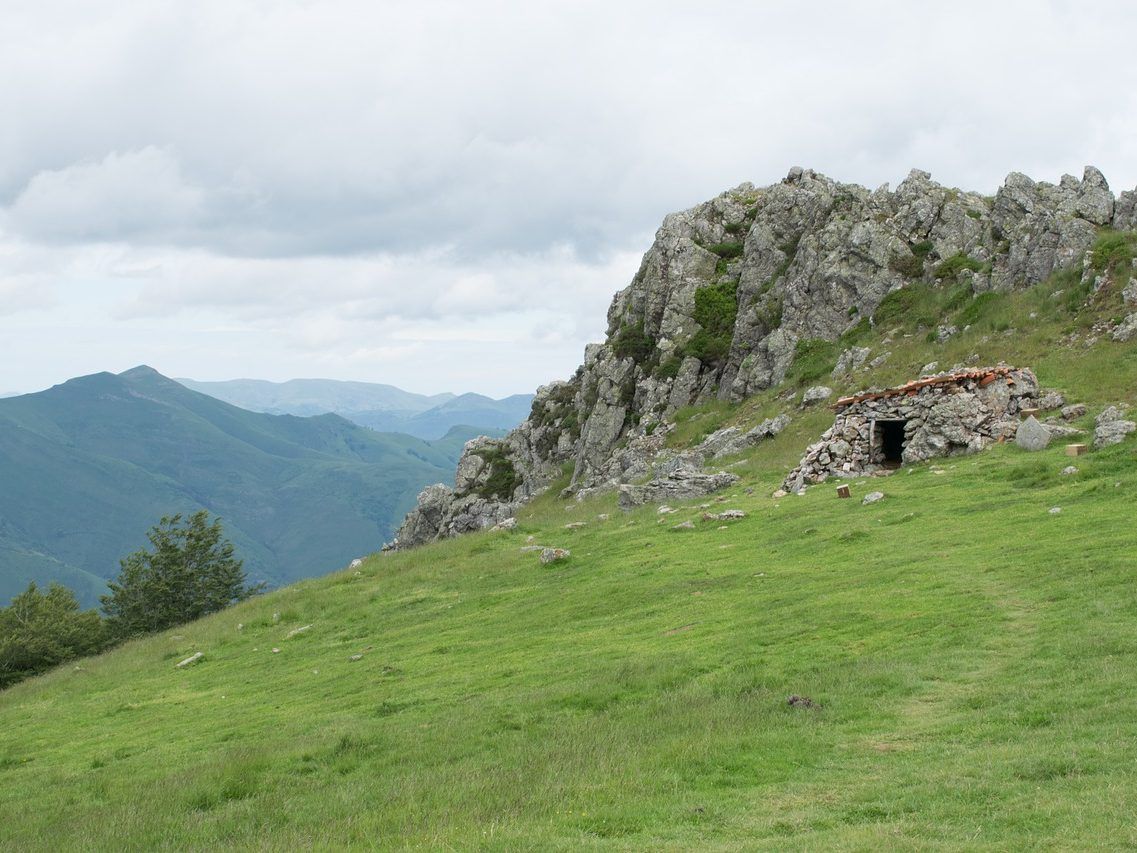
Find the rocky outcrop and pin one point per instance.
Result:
(731, 290)
(1111, 427)
(678, 486)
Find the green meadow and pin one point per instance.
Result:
(971, 657)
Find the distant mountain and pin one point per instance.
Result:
(87, 467)
(380, 407)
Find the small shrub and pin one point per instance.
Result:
(503, 479)
(813, 359)
(1113, 251)
(633, 342)
(669, 368)
(909, 266)
(950, 269)
(727, 250)
(716, 309)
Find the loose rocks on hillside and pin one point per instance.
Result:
(872, 497)
(190, 661)
(553, 555)
(816, 394)
(1111, 427)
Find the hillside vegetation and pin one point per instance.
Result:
(88, 466)
(972, 656)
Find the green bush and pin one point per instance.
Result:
(950, 269)
(633, 342)
(1113, 251)
(726, 250)
(909, 266)
(503, 479)
(40, 630)
(716, 309)
(669, 369)
(190, 573)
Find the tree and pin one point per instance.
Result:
(190, 573)
(40, 630)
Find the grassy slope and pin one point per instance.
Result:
(90, 465)
(974, 654)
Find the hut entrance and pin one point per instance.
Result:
(889, 440)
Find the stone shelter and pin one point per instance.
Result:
(960, 411)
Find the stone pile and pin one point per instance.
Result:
(948, 414)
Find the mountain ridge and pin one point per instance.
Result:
(91, 464)
(385, 408)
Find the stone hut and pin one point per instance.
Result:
(947, 414)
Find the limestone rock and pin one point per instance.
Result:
(1127, 330)
(553, 555)
(1111, 427)
(1032, 435)
(682, 485)
(1071, 412)
(684, 525)
(816, 394)
(196, 657)
(872, 497)
(851, 360)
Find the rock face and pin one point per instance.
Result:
(944, 415)
(730, 288)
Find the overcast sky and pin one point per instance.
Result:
(445, 195)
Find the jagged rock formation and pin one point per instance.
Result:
(731, 290)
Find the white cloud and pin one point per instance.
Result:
(308, 175)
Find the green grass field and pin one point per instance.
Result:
(974, 657)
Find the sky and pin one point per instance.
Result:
(445, 196)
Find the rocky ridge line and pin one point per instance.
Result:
(729, 290)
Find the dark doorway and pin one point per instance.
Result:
(890, 440)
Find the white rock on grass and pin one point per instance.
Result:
(190, 661)
(872, 497)
(553, 555)
(296, 631)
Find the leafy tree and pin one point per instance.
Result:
(40, 630)
(190, 572)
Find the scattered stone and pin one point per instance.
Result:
(296, 631)
(575, 525)
(1129, 293)
(275, 618)
(602, 517)
(944, 333)
(356, 563)
(1076, 410)
(684, 525)
(816, 394)
(275, 650)
(530, 538)
(726, 515)
(190, 661)
(666, 510)
(872, 497)
(1060, 431)
(355, 657)
(929, 368)
(1127, 331)
(505, 524)
(1032, 435)
(528, 549)
(1054, 510)
(803, 702)
(553, 555)
(1111, 427)
(879, 360)
(851, 360)
(240, 626)
(1051, 400)
(1069, 470)
(779, 494)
